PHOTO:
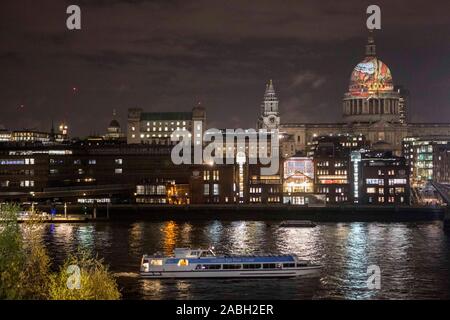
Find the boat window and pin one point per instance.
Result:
(211, 266)
(206, 254)
(183, 262)
(302, 264)
(269, 266)
(288, 265)
(231, 266)
(251, 266)
(156, 262)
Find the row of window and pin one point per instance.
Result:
(214, 174)
(397, 190)
(26, 172)
(386, 199)
(12, 162)
(327, 190)
(337, 164)
(207, 191)
(389, 172)
(380, 182)
(151, 190)
(22, 184)
(94, 161)
(249, 266)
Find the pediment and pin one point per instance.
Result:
(381, 124)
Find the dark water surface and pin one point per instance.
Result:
(414, 258)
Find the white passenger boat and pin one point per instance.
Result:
(188, 263)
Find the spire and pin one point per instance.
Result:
(114, 113)
(370, 46)
(270, 117)
(270, 89)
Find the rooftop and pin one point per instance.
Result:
(150, 116)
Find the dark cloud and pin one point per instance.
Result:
(167, 55)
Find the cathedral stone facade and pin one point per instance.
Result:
(372, 107)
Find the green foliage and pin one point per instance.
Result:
(96, 282)
(25, 265)
(36, 274)
(12, 256)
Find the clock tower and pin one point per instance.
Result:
(270, 116)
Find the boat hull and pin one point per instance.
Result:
(281, 273)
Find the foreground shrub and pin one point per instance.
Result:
(25, 265)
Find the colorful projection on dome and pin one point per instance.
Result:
(370, 76)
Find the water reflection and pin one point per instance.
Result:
(85, 236)
(414, 258)
(136, 238)
(170, 230)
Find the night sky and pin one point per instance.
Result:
(167, 55)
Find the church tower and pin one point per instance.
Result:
(270, 116)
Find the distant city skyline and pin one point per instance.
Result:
(164, 56)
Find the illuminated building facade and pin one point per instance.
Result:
(371, 107)
(5, 135)
(162, 191)
(332, 163)
(420, 153)
(332, 178)
(381, 178)
(30, 136)
(214, 184)
(157, 127)
(264, 189)
(298, 180)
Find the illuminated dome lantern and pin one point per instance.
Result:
(371, 96)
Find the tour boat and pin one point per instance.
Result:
(191, 263)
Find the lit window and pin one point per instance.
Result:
(156, 262)
(216, 189)
(118, 170)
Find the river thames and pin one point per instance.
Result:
(414, 258)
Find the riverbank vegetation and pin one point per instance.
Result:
(25, 266)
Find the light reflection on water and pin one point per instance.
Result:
(413, 257)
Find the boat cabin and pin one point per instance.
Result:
(192, 253)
